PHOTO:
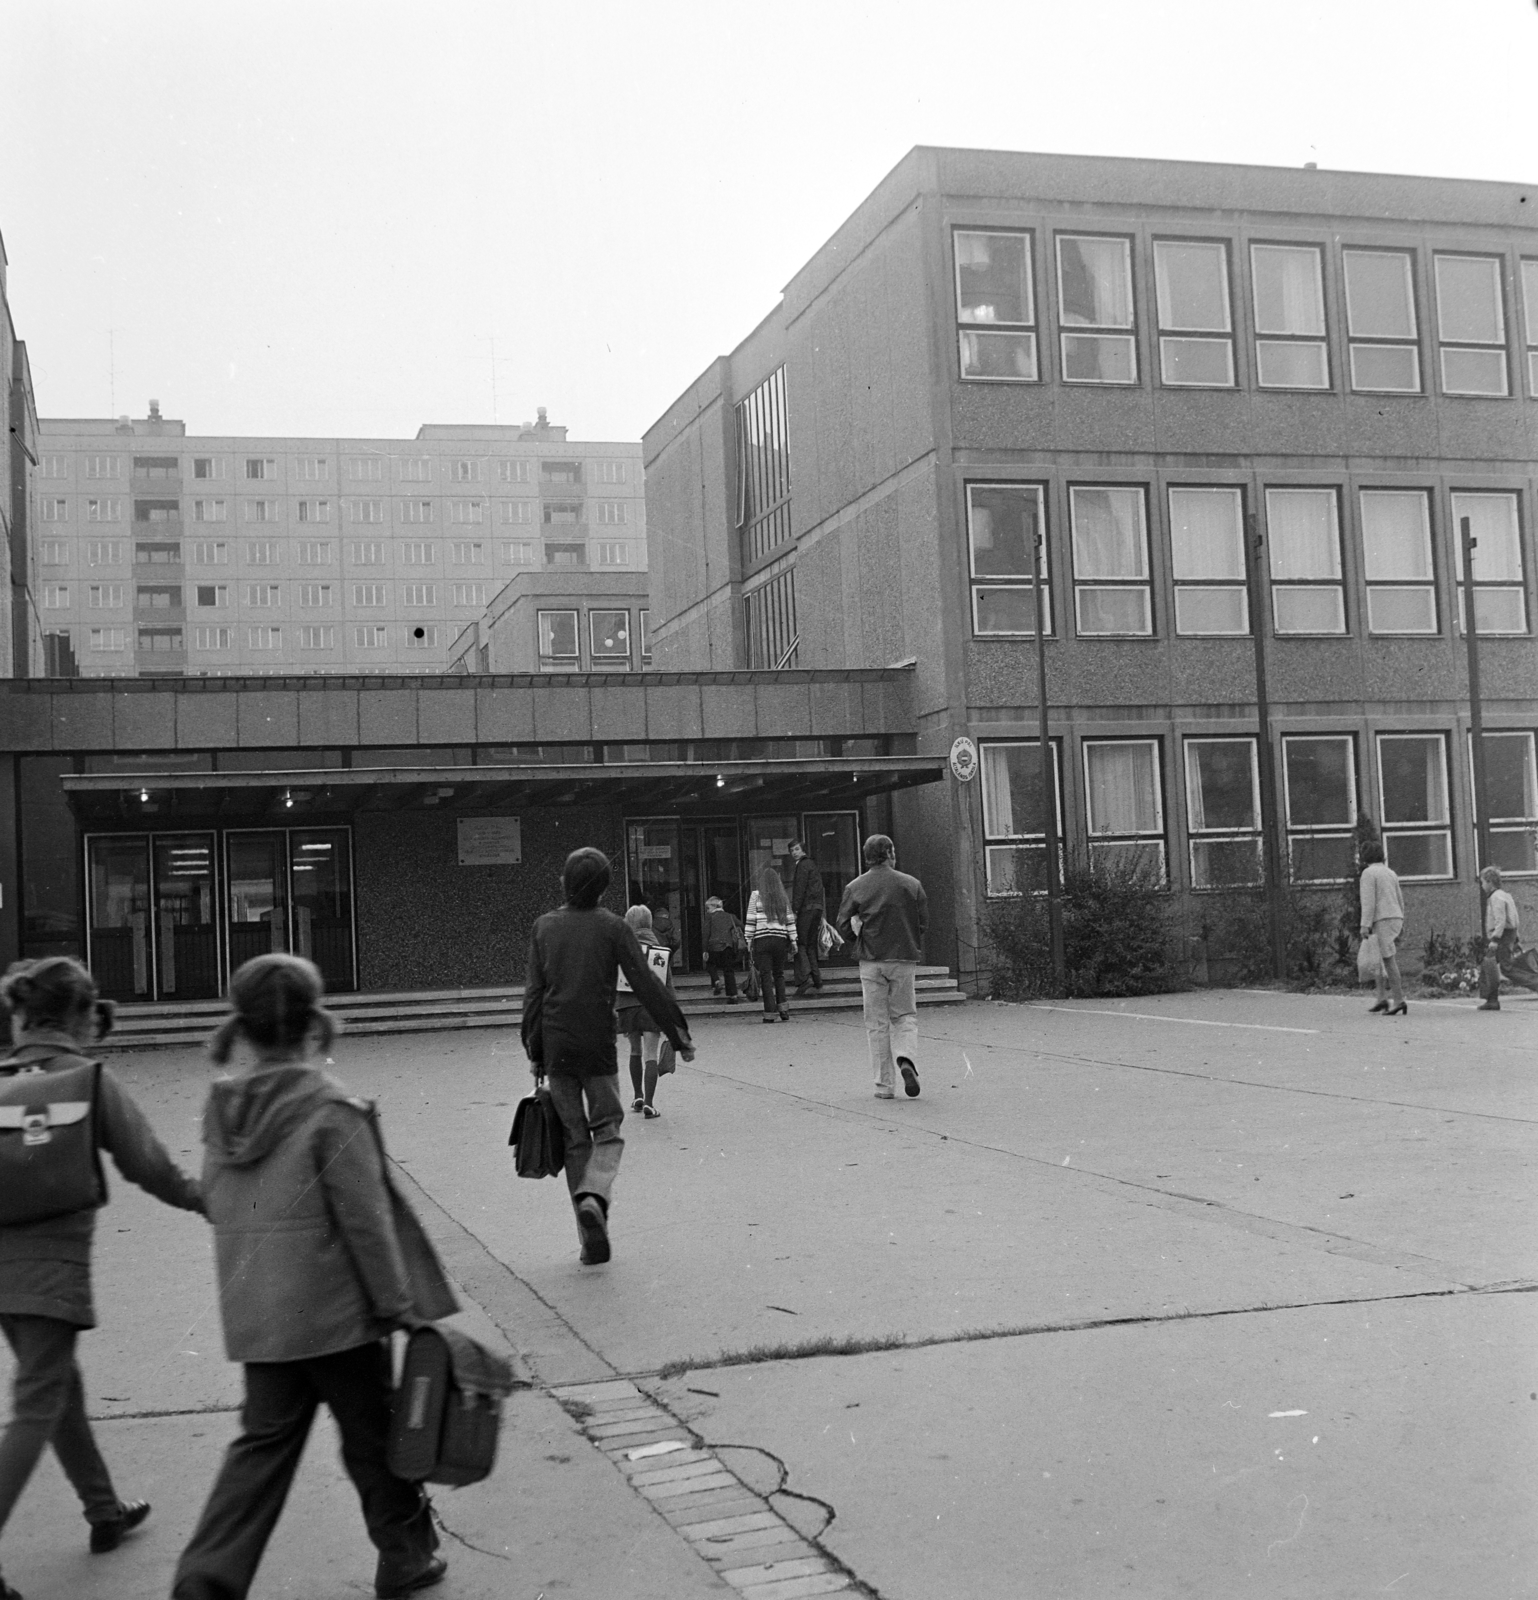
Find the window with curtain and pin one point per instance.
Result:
(1397, 561)
(1110, 561)
(1003, 520)
(1014, 819)
(1303, 539)
(557, 638)
(1510, 799)
(1207, 561)
(1124, 805)
(1319, 789)
(1380, 321)
(1471, 325)
(1094, 299)
(995, 306)
(1500, 597)
(1196, 347)
(1223, 812)
(1290, 349)
(1412, 788)
(1530, 317)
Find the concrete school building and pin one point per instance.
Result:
(1166, 372)
(20, 630)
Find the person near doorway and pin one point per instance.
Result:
(771, 930)
(723, 943)
(1383, 921)
(886, 914)
(808, 905)
(664, 929)
(575, 957)
(1502, 923)
(45, 1265)
(634, 1021)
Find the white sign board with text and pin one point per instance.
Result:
(490, 841)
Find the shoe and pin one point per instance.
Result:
(734, 999)
(638, 1104)
(1382, 1005)
(429, 1575)
(885, 1094)
(910, 1077)
(784, 1014)
(1489, 1005)
(593, 1230)
(650, 1112)
(107, 1536)
(769, 1018)
(715, 989)
(1400, 1009)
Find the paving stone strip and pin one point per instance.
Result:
(747, 1542)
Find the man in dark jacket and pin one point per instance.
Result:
(884, 911)
(575, 955)
(807, 905)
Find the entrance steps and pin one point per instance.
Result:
(426, 1010)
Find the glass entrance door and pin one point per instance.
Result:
(118, 929)
(256, 871)
(186, 927)
(321, 873)
(832, 840)
(654, 869)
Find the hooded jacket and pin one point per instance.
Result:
(316, 1250)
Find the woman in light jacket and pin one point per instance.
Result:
(771, 930)
(1383, 921)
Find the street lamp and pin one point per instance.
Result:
(1048, 778)
(1476, 713)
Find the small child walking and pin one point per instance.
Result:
(635, 1023)
(723, 939)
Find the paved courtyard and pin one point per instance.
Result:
(1222, 1294)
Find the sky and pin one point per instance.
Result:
(329, 218)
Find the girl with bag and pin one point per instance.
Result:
(772, 940)
(723, 940)
(319, 1260)
(45, 1262)
(635, 1022)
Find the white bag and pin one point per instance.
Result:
(1369, 963)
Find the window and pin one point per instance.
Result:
(210, 553)
(314, 552)
(611, 472)
(263, 594)
(518, 554)
(515, 511)
(1290, 350)
(204, 638)
(1412, 787)
(465, 471)
(365, 469)
(1397, 562)
(469, 594)
(365, 511)
(1380, 318)
(55, 597)
(368, 594)
(261, 468)
(1003, 522)
(209, 467)
(159, 555)
(763, 467)
(1014, 818)
(157, 511)
(1094, 291)
(157, 467)
(1471, 325)
(109, 638)
(1500, 600)
(565, 555)
(418, 553)
(314, 510)
(370, 638)
(562, 513)
(1110, 562)
(422, 637)
(646, 636)
(416, 510)
(518, 472)
(104, 467)
(608, 636)
(1124, 805)
(365, 553)
(261, 511)
(158, 597)
(264, 638)
(611, 513)
(562, 474)
(53, 466)
(53, 553)
(1303, 537)
(210, 594)
(1319, 779)
(313, 637)
(467, 510)
(208, 511)
(161, 639)
(1511, 800)
(611, 554)
(419, 594)
(104, 596)
(104, 511)
(312, 469)
(467, 553)
(414, 469)
(996, 306)
(264, 553)
(1530, 307)
(314, 596)
(104, 552)
(557, 638)
(1191, 286)
(1223, 813)
(55, 510)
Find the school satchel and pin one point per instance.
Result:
(49, 1163)
(537, 1138)
(447, 1410)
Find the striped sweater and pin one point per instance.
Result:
(759, 922)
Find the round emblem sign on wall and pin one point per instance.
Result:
(964, 760)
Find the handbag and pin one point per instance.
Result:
(49, 1163)
(667, 1059)
(828, 938)
(447, 1410)
(537, 1137)
(1369, 963)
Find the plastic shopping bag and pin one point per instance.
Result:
(1369, 963)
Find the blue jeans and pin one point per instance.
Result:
(593, 1142)
(891, 1017)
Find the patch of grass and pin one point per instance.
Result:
(794, 1350)
(577, 1410)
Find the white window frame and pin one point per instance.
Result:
(55, 597)
(1360, 342)
(988, 346)
(517, 472)
(517, 512)
(612, 553)
(315, 597)
(1003, 847)
(366, 553)
(262, 595)
(1189, 587)
(108, 639)
(1506, 587)
(105, 509)
(261, 510)
(1101, 334)
(1131, 583)
(467, 553)
(105, 596)
(1472, 347)
(1104, 840)
(367, 596)
(1432, 828)
(365, 511)
(1175, 337)
(216, 467)
(210, 553)
(518, 552)
(312, 469)
(418, 553)
(311, 511)
(1201, 834)
(315, 553)
(547, 656)
(53, 553)
(1529, 269)
(264, 553)
(417, 595)
(365, 469)
(1380, 588)
(1521, 830)
(984, 584)
(611, 513)
(592, 636)
(104, 553)
(1268, 338)
(104, 466)
(415, 511)
(221, 596)
(54, 509)
(317, 636)
(371, 636)
(213, 636)
(267, 636)
(609, 470)
(210, 511)
(468, 594)
(422, 636)
(266, 468)
(467, 512)
(1285, 583)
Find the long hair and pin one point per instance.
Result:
(56, 993)
(275, 1003)
(771, 896)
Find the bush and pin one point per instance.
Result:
(1321, 952)
(1451, 965)
(1115, 936)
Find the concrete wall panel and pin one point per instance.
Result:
(729, 711)
(207, 721)
(672, 713)
(562, 712)
(784, 710)
(445, 716)
(328, 717)
(619, 713)
(504, 715)
(268, 717)
(31, 722)
(143, 718)
(80, 721)
(387, 716)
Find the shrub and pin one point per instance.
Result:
(1451, 964)
(1237, 927)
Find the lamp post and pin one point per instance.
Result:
(1476, 712)
(1048, 777)
(1269, 833)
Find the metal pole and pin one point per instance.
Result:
(1048, 777)
(1476, 714)
(1269, 832)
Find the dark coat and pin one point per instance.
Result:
(806, 887)
(722, 932)
(893, 913)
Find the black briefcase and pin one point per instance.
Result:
(538, 1138)
(447, 1410)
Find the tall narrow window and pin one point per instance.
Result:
(1511, 800)
(1223, 810)
(1380, 319)
(1319, 778)
(1471, 325)
(1015, 817)
(1207, 559)
(769, 614)
(1124, 805)
(1094, 297)
(1290, 350)
(557, 638)
(1110, 561)
(1003, 521)
(763, 467)
(1500, 599)
(996, 306)
(1412, 787)
(1196, 347)
(1397, 562)
(1530, 316)
(1303, 537)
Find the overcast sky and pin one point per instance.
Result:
(321, 218)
